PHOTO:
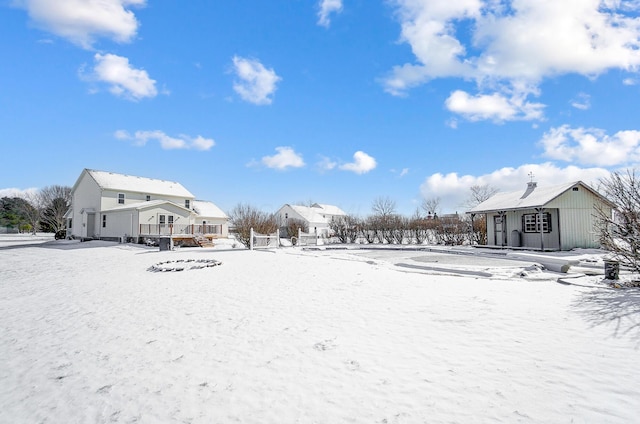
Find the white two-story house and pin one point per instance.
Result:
(316, 217)
(111, 206)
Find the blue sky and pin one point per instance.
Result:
(331, 101)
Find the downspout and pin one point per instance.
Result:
(541, 229)
(503, 220)
(559, 230)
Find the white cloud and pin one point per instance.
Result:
(494, 107)
(326, 164)
(582, 101)
(82, 21)
(201, 143)
(123, 80)
(362, 163)
(140, 138)
(453, 189)
(17, 192)
(511, 46)
(256, 84)
(326, 8)
(591, 146)
(285, 158)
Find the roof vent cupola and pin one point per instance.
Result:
(531, 186)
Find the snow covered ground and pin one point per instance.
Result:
(88, 334)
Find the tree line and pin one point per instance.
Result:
(41, 210)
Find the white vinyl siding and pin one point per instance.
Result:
(577, 217)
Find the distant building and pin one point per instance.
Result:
(560, 217)
(316, 217)
(111, 206)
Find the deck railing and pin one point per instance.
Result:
(178, 229)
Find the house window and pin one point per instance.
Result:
(104, 221)
(531, 222)
(187, 203)
(170, 217)
(70, 223)
(121, 198)
(576, 189)
(148, 197)
(162, 220)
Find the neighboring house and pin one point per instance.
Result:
(329, 211)
(317, 216)
(110, 206)
(561, 217)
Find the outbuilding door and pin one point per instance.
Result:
(500, 230)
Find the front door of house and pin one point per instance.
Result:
(91, 224)
(500, 230)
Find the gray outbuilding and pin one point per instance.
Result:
(559, 217)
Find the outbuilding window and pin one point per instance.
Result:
(531, 222)
(104, 221)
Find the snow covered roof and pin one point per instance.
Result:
(113, 181)
(144, 205)
(208, 209)
(310, 214)
(329, 209)
(532, 197)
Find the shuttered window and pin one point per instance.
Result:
(531, 222)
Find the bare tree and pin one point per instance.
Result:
(450, 230)
(479, 193)
(244, 217)
(478, 225)
(620, 231)
(55, 201)
(384, 219)
(431, 206)
(308, 203)
(345, 228)
(32, 210)
(419, 227)
(291, 227)
(398, 229)
(368, 229)
(383, 206)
